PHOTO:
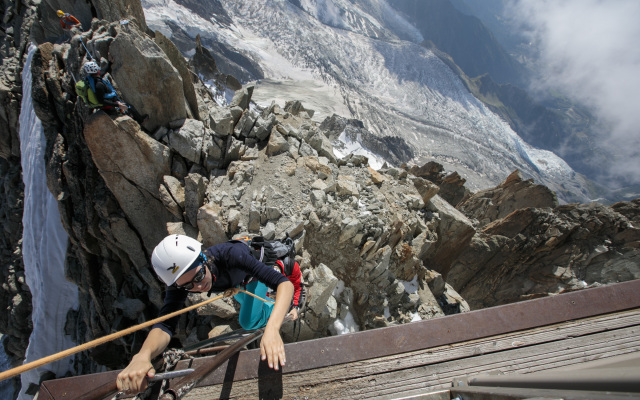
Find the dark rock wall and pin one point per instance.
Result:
(85, 202)
(15, 298)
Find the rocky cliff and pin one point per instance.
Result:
(376, 247)
(15, 296)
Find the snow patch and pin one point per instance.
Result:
(337, 291)
(347, 146)
(411, 286)
(342, 326)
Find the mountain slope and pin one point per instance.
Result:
(464, 37)
(376, 236)
(503, 27)
(396, 87)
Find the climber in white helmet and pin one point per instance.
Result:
(184, 267)
(106, 96)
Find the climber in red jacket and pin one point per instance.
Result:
(295, 277)
(68, 21)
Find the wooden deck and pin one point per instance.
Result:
(423, 371)
(422, 357)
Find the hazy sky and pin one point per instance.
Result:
(589, 49)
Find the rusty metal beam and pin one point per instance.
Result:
(414, 336)
(74, 388)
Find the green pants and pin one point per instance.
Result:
(254, 313)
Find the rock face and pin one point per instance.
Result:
(527, 246)
(236, 170)
(513, 194)
(133, 166)
(242, 170)
(15, 296)
(375, 247)
(146, 77)
(535, 252)
(451, 185)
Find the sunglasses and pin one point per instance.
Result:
(198, 277)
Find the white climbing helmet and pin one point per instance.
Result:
(173, 256)
(91, 68)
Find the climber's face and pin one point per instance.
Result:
(197, 280)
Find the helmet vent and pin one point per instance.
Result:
(191, 248)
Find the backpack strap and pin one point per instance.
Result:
(112, 91)
(258, 253)
(288, 262)
(257, 248)
(91, 82)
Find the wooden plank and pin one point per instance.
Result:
(67, 389)
(534, 359)
(473, 348)
(443, 353)
(389, 341)
(441, 375)
(394, 375)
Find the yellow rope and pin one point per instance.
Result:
(97, 342)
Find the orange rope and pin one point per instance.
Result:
(97, 342)
(257, 297)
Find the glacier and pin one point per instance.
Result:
(44, 249)
(361, 59)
